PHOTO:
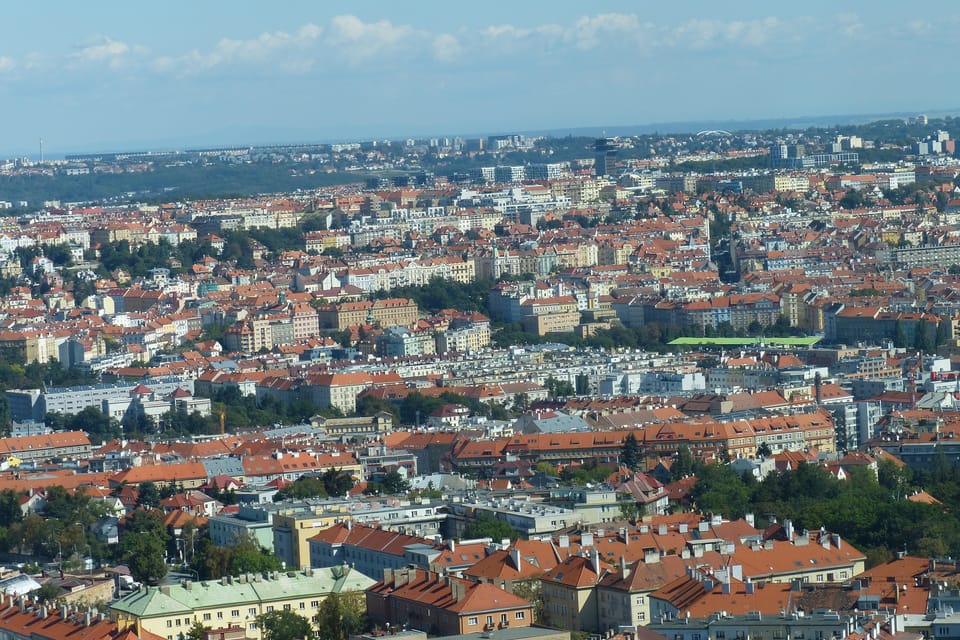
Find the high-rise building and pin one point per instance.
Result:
(605, 154)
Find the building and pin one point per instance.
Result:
(389, 312)
(249, 522)
(62, 444)
(22, 619)
(525, 516)
(444, 605)
(170, 610)
(370, 549)
(570, 594)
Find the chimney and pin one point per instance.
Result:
(63, 611)
(788, 529)
(703, 527)
(586, 539)
(651, 556)
(457, 589)
(563, 542)
(835, 540)
(737, 572)
(87, 618)
(451, 545)
(402, 576)
(683, 527)
(624, 569)
(515, 558)
(662, 530)
(349, 524)
(387, 576)
(750, 519)
(748, 586)
(44, 612)
(595, 560)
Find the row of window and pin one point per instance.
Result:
(518, 615)
(235, 613)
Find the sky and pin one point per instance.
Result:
(120, 75)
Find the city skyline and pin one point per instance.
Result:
(111, 76)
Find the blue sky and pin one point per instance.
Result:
(122, 75)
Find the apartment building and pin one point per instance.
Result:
(444, 605)
(170, 610)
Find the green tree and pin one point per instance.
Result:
(149, 495)
(341, 615)
(764, 451)
(10, 511)
(683, 463)
(197, 631)
(394, 483)
(144, 555)
(630, 455)
(337, 482)
(243, 556)
(547, 469)
(489, 527)
(48, 592)
(284, 625)
(303, 487)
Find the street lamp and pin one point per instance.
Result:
(60, 557)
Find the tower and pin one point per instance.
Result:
(605, 156)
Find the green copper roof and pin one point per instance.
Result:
(187, 597)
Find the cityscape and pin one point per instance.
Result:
(561, 379)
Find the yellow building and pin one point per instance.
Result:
(292, 533)
(170, 611)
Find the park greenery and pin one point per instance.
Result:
(870, 511)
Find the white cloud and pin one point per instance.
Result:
(591, 31)
(446, 48)
(359, 41)
(105, 51)
(609, 30)
(7, 64)
(703, 34)
(267, 47)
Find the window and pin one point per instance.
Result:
(252, 612)
(286, 607)
(520, 615)
(219, 615)
(269, 608)
(235, 613)
(721, 635)
(169, 623)
(178, 622)
(643, 616)
(819, 577)
(252, 626)
(303, 605)
(314, 603)
(472, 622)
(206, 616)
